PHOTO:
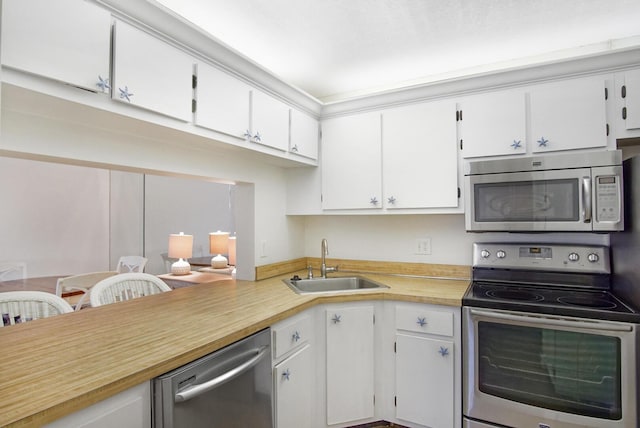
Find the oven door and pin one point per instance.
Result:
(531, 370)
(556, 200)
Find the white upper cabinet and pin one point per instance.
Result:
(493, 124)
(222, 102)
(269, 121)
(150, 73)
(304, 135)
(65, 40)
(630, 95)
(568, 115)
(564, 115)
(420, 156)
(352, 162)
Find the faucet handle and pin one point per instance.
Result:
(332, 269)
(309, 272)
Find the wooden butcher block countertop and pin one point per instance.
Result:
(56, 366)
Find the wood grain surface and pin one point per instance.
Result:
(53, 367)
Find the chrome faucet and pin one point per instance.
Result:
(323, 267)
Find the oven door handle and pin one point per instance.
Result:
(586, 199)
(195, 390)
(556, 322)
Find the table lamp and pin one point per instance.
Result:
(219, 244)
(180, 247)
(232, 250)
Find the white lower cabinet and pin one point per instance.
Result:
(427, 366)
(350, 363)
(294, 381)
(294, 371)
(338, 366)
(130, 408)
(424, 380)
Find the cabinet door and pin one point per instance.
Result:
(65, 40)
(425, 381)
(631, 113)
(420, 156)
(269, 121)
(493, 124)
(130, 408)
(151, 74)
(350, 374)
(304, 135)
(222, 102)
(568, 115)
(294, 386)
(352, 162)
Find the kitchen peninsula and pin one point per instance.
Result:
(57, 366)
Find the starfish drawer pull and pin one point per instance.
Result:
(125, 94)
(542, 142)
(103, 84)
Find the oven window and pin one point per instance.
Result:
(553, 369)
(539, 200)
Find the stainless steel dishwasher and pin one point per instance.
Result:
(229, 388)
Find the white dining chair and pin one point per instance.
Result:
(12, 270)
(81, 282)
(128, 264)
(21, 306)
(126, 286)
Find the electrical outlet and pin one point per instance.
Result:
(422, 246)
(263, 249)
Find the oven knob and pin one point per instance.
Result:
(485, 254)
(501, 254)
(593, 257)
(574, 257)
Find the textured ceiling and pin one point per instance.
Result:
(338, 49)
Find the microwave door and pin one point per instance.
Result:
(558, 200)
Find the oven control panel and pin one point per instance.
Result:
(551, 257)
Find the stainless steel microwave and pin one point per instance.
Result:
(559, 192)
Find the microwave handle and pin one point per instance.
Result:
(586, 199)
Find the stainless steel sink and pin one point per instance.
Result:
(332, 285)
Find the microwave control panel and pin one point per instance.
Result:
(608, 196)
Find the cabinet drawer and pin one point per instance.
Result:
(424, 320)
(290, 335)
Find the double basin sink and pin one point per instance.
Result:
(332, 285)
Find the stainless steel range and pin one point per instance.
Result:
(546, 342)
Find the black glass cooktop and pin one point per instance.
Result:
(566, 301)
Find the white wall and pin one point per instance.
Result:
(53, 217)
(46, 127)
(392, 237)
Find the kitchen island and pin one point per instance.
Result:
(56, 366)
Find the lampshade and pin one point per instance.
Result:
(180, 247)
(232, 250)
(219, 245)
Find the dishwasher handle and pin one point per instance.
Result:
(196, 390)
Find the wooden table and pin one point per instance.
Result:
(41, 283)
(195, 277)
